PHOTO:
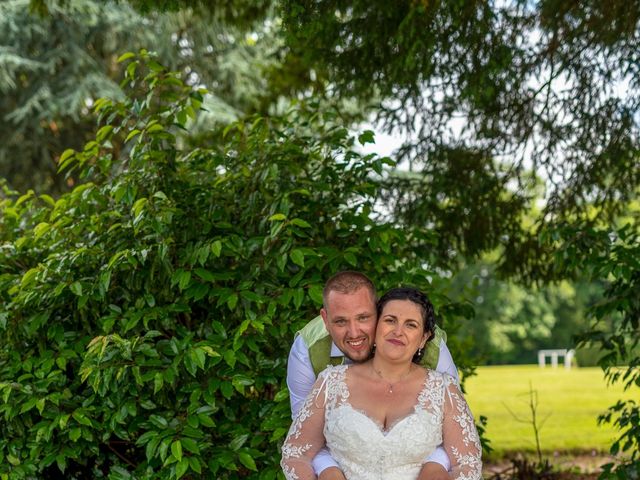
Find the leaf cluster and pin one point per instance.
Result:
(550, 87)
(612, 255)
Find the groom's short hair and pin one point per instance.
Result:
(348, 281)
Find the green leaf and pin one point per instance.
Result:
(29, 277)
(198, 357)
(182, 467)
(158, 381)
(216, 248)
(238, 441)
(191, 445)
(232, 301)
(227, 390)
(205, 274)
(315, 292)
(103, 133)
(185, 279)
(206, 421)
(133, 133)
(297, 257)
(277, 217)
(351, 258)
(158, 421)
(75, 434)
(281, 395)
(65, 158)
(125, 56)
(195, 464)
(248, 461)
(41, 229)
(298, 222)
(230, 357)
(298, 297)
(76, 288)
(176, 450)
(366, 137)
(81, 418)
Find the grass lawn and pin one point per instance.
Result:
(572, 400)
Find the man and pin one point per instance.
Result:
(345, 332)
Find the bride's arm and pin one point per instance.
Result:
(305, 436)
(459, 435)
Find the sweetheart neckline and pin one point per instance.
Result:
(378, 425)
(416, 407)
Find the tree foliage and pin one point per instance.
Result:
(482, 61)
(146, 314)
(513, 321)
(549, 87)
(46, 93)
(614, 255)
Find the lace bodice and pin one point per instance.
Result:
(365, 450)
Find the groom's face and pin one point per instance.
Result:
(350, 319)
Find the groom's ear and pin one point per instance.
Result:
(325, 316)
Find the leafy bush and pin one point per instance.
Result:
(613, 255)
(146, 315)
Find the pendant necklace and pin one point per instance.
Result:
(390, 390)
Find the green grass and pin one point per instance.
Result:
(572, 399)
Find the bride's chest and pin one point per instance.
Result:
(353, 434)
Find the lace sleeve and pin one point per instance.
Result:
(306, 435)
(460, 437)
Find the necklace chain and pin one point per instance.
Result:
(390, 391)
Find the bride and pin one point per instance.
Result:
(382, 418)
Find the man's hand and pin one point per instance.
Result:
(433, 471)
(334, 473)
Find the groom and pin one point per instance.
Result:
(344, 332)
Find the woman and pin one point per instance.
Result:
(381, 418)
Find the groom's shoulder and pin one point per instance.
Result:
(313, 331)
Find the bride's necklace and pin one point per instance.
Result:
(395, 382)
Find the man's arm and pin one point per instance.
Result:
(300, 380)
(300, 375)
(334, 473)
(433, 471)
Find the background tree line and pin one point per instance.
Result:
(189, 232)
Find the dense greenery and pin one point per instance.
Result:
(46, 93)
(613, 254)
(146, 315)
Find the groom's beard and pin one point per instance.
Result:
(360, 358)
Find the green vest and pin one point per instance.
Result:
(318, 341)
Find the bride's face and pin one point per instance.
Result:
(400, 330)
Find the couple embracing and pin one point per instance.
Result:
(387, 405)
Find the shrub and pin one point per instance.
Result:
(612, 255)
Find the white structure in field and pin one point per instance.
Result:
(554, 354)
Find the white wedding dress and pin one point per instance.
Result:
(365, 450)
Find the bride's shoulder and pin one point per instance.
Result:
(333, 371)
(441, 378)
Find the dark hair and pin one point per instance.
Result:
(348, 282)
(416, 296)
